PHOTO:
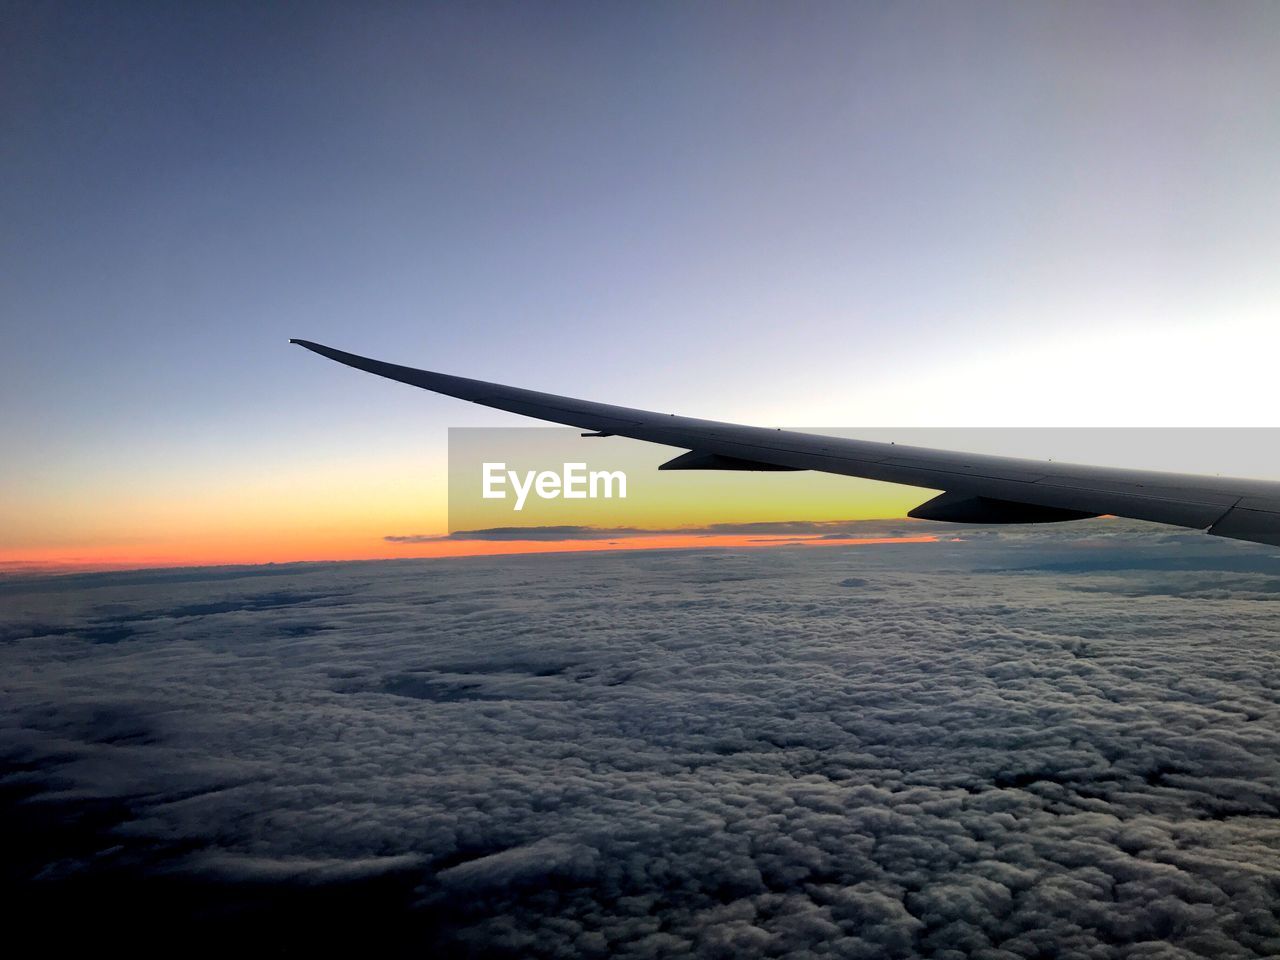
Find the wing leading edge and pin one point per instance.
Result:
(975, 488)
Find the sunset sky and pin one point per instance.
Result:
(853, 214)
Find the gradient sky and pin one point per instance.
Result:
(881, 214)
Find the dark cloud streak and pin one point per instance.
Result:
(828, 529)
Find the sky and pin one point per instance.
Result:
(1057, 741)
(881, 215)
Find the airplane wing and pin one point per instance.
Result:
(974, 488)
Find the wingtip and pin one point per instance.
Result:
(350, 359)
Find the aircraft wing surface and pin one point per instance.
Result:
(974, 488)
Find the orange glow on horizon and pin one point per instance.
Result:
(114, 558)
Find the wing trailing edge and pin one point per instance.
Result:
(697, 460)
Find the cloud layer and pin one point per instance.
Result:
(942, 750)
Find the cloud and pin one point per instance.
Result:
(527, 865)
(825, 529)
(563, 532)
(792, 752)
